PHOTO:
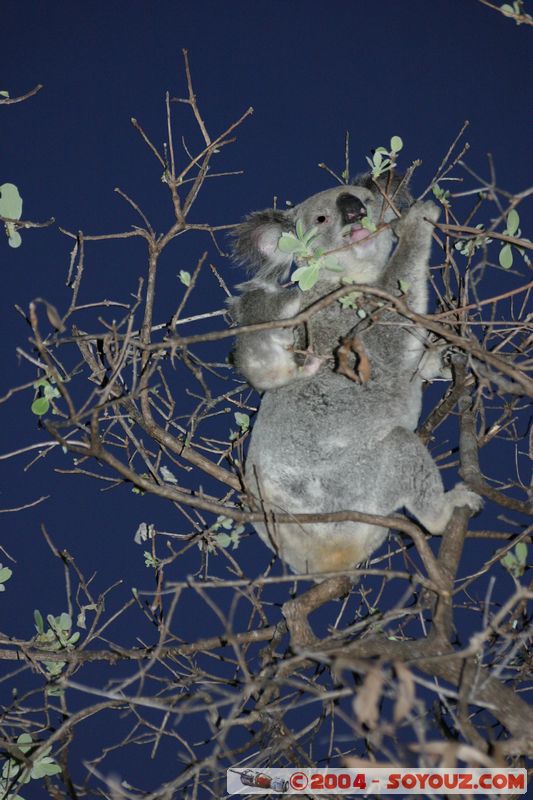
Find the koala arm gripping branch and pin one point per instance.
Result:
(408, 267)
(265, 358)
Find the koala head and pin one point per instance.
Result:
(336, 215)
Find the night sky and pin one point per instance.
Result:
(311, 71)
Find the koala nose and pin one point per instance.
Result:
(351, 208)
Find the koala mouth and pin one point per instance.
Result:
(357, 233)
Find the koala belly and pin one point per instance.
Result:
(316, 450)
(322, 547)
(318, 546)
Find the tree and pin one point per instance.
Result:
(131, 398)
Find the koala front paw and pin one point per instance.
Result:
(311, 366)
(434, 364)
(418, 214)
(430, 211)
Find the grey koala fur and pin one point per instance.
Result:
(321, 442)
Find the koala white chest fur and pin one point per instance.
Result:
(322, 442)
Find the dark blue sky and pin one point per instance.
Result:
(311, 70)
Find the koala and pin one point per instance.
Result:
(322, 442)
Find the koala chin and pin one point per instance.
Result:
(322, 442)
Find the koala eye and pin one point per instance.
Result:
(321, 218)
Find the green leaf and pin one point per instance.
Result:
(51, 391)
(36, 772)
(331, 263)
(509, 562)
(367, 223)
(223, 539)
(39, 622)
(299, 229)
(40, 406)
(396, 144)
(54, 668)
(521, 553)
(10, 201)
(377, 158)
(23, 740)
(65, 622)
(382, 167)
(513, 221)
(9, 770)
(288, 243)
(242, 420)
(306, 277)
(49, 766)
(350, 300)
(309, 235)
(506, 9)
(185, 277)
(3, 93)
(15, 239)
(5, 574)
(506, 256)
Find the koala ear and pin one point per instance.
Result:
(256, 243)
(394, 185)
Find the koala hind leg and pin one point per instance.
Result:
(417, 483)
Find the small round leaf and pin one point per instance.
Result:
(10, 201)
(288, 243)
(506, 256)
(15, 239)
(5, 574)
(513, 221)
(521, 552)
(40, 406)
(396, 144)
(223, 540)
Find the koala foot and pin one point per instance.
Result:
(460, 496)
